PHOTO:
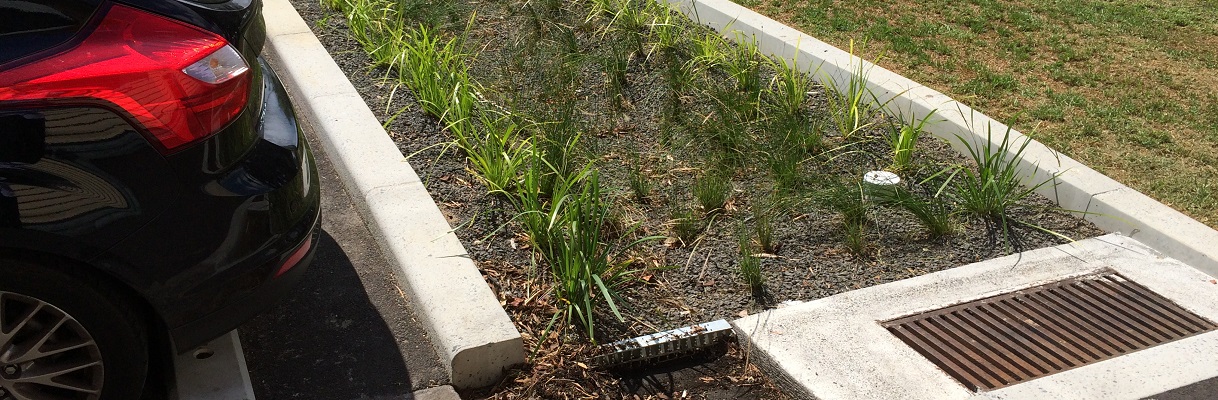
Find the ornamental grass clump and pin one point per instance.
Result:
(679, 78)
(790, 141)
(666, 34)
(728, 128)
(743, 64)
(994, 187)
(763, 224)
(851, 108)
(749, 264)
(435, 70)
(640, 183)
(686, 225)
(933, 212)
(499, 152)
(788, 90)
(615, 64)
(588, 270)
(711, 190)
(850, 202)
(903, 139)
(432, 67)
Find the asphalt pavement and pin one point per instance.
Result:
(347, 331)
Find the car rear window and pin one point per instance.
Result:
(30, 26)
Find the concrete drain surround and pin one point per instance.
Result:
(839, 347)
(1011, 338)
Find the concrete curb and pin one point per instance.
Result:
(222, 375)
(436, 393)
(474, 337)
(1107, 203)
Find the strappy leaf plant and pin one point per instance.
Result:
(994, 187)
(788, 90)
(499, 152)
(903, 139)
(851, 108)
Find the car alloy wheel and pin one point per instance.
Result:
(45, 354)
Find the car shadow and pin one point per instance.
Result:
(347, 331)
(326, 340)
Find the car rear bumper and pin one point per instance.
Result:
(279, 175)
(237, 311)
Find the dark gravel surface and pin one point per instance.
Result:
(347, 331)
(684, 283)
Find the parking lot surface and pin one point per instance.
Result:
(346, 332)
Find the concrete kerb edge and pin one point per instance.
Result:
(1101, 200)
(471, 332)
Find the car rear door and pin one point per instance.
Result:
(75, 177)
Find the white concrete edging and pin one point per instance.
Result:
(473, 335)
(1106, 203)
(221, 375)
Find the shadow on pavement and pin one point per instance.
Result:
(347, 332)
(326, 340)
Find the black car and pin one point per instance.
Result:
(155, 189)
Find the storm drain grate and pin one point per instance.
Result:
(1007, 339)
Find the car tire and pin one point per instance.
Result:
(88, 335)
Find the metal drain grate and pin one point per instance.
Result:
(1007, 339)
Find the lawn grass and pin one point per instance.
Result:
(1127, 87)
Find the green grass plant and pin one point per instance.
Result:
(588, 270)
(679, 79)
(763, 214)
(995, 186)
(706, 52)
(933, 212)
(903, 139)
(435, 70)
(749, 264)
(499, 153)
(855, 236)
(637, 178)
(849, 200)
(666, 34)
(615, 64)
(431, 66)
(558, 143)
(851, 108)
(711, 190)
(629, 19)
(790, 142)
(788, 90)
(743, 64)
(686, 225)
(541, 209)
(728, 128)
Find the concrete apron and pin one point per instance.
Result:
(835, 347)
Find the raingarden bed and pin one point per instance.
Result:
(596, 150)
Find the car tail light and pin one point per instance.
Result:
(180, 82)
